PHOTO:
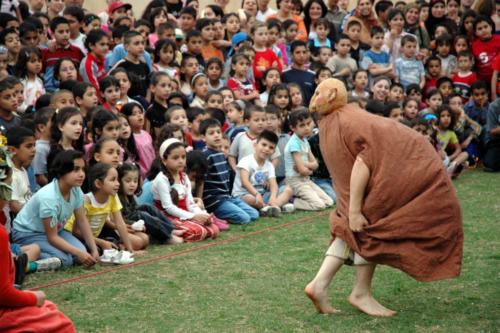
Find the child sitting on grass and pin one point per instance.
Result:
(255, 181)
(300, 165)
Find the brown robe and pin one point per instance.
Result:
(415, 222)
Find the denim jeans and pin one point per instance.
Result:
(236, 211)
(326, 186)
(47, 250)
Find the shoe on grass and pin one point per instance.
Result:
(288, 208)
(271, 211)
(48, 264)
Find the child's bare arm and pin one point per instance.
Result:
(376, 69)
(122, 230)
(245, 182)
(456, 152)
(273, 188)
(422, 81)
(360, 176)
(494, 80)
(313, 163)
(232, 162)
(302, 169)
(84, 227)
(276, 163)
(15, 206)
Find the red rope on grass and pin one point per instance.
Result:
(178, 253)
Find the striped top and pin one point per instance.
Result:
(217, 185)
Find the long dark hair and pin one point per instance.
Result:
(130, 146)
(307, 18)
(165, 154)
(25, 55)
(122, 171)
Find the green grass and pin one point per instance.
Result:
(255, 283)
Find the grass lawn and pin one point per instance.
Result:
(252, 280)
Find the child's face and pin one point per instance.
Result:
(456, 104)
(464, 64)
(195, 44)
(125, 130)
(256, 123)
(397, 23)
(89, 98)
(444, 119)
(101, 48)
(61, 34)
(233, 24)
(273, 35)
(480, 96)
(166, 55)
(130, 182)
(446, 89)
(3, 61)
(411, 110)
(434, 68)
(200, 88)
(273, 123)
(322, 32)
(250, 55)
(281, 99)
(162, 88)
(215, 101)
(218, 31)
(396, 114)
(111, 95)
(234, 115)
(111, 130)
(409, 49)
(25, 153)
(483, 30)
(438, 10)
(440, 30)
(354, 32)
(435, 102)
(272, 78)
(190, 67)
(260, 36)
(323, 75)
(74, 25)
(324, 55)
(415, 95)
(76, 177)
(136, 119)
(34, 64)
(300, 55)
(227, 97)
(424, 14)
(195, 125)
(296, 96)
(63, 100)
(469, 24)
(224, 147)
(73, 127)
(461, 45)
(186, 22)
(143, 30)
(136, 46)
(443, 50)
(168, 34)
(343, 47)
(13, 43)
(31, 39)
(110, 154)
(241, 67)
(124, 83)
(207, 33)
(361, 80)
(159, 19)
(291, 33)
(213, 137)
(19, 88)
(303, 128)
(264, 149)
(380, 90)
(378, 40)
(67, 71)
(396, 94)
(214, 72)
(93, 25)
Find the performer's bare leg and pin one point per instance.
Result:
(317, 289)
(361, 296)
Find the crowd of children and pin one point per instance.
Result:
(122, 131)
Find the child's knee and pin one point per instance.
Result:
(67, 260)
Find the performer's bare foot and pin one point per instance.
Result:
(370, 306)
(319, 297)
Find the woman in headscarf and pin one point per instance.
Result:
(437, 17)
(413, 26)
(365, 14)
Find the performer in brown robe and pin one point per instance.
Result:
(395, 202)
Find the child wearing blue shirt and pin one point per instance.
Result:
(42, 218)
(300, 165)
(408, 69)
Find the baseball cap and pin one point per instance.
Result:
(117, 5)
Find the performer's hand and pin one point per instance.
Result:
(40, 297)
(357, 222)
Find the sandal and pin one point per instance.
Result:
(116, 257)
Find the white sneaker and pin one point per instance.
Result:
(48, 264)
(270, 211)
(288, 208)
(108, 256)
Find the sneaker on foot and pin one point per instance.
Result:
(266, 211)
(288, 208)
(48, 264)
(275, 211)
